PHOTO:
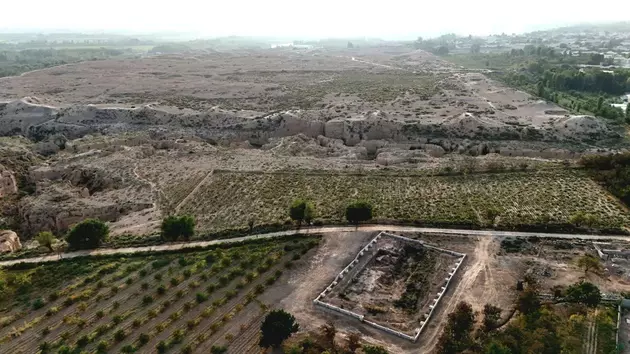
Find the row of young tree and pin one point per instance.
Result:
(91, 233)
(356, 212)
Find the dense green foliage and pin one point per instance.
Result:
(87, 234)
(301, 210)
(536, 327)
(613, 171)
(45, 239)
(175, 227)
(276, 328)
(584, 293)
(457, 334)
(359, 211)
(555, 75)
(16, 62)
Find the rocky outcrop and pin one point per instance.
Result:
(9, 241)
(57, 206)
(38, 122)
(8, 185)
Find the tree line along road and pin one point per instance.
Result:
(302, 231)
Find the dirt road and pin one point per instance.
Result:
(304, 231)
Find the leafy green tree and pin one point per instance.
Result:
(46, 239)
(584, 293)
(588, 262)
(528, 301)
(600, 103)
(300, 211)
(496, 348)
(374, 349)
(359, 211)
(628, 112)
(174, 227)
(276, 328)
(456, 336)
(475, 48)
(87, 234)
(491, 317)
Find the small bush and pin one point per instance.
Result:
(147, 299)
(218, 349)
(128, 349)
(102, 346)
(143, 339)
(38, 304)
(161, 347)
(161, 290)
(201, 297)
(83, 341)
(119, 335)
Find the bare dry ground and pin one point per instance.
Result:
(488, 276)
(388, 84)
(396, 286)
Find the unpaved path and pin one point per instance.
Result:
(306, 231)
(474, 269)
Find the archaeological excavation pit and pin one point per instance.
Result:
(394, 284)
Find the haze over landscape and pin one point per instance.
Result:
(397, 19)
(330, 177)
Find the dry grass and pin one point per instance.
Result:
(231, 199)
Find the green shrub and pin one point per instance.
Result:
(89, 233)
(119, 335)
(359, 211)
(201, 297)
(38, 303)
(143, 339)
(147, 299)
(218, 349)
(174, 227)
(102, 346)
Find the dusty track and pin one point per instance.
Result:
(305, 231)
(472, 271)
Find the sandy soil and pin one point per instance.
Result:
(377, 285)
(400, 83)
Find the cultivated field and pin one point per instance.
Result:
(176, 302)
(231, 199)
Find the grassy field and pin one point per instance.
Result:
(231, 199)
(171, 302)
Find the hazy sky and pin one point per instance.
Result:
(315, 18)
